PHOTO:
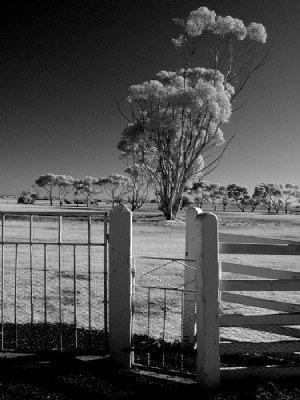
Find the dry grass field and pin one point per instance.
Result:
(152, 237)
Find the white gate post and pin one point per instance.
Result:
(120, 285)
(189, 305)
(207, 300)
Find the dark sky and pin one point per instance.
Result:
(64, 63)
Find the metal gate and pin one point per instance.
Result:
(159, 299)
(54, 281)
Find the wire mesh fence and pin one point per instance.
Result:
(158, 340)
(158, 304)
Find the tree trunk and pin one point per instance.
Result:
(167, 209)
(170, 210)
(171, 198)
(133, 203)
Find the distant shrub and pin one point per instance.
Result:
(27, 197)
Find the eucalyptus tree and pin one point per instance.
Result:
(239, 195)
(140, 185)
(64, 184)
(290, 194)
(224, 198)
(116, 186)
(87, 187)
(200, 192)
(213, 196)
(176, 118)
(270, 195)
(48, 183)
(140, 178)
(254, 202)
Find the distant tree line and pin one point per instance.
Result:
(133, 188)
(272, 196)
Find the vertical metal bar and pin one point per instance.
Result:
(31, 279)
(182, 338)
(105, 283)
(2, 282)
(16, 298)
(164, 327)
(45, 296)
(75, 298)
(148, 329)
(59, 280)
(89, 280)
(132, 309)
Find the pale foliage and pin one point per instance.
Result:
(64, 184)
(203, 19)
(47, 182)
(239, 195)
(270, 195)
(176, 117)
(87, 187)
(140, 184)
(116, 186)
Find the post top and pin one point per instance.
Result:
(120, 208)
(209, 215)
(194, 211)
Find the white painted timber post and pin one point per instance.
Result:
(120, 286)
(189, 305)
(207, 301)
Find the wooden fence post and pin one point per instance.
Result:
(120, 286)
(207, 301)
(189, 306)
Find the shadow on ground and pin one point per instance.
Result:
(66, 377)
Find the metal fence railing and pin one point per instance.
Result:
(54, 281)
